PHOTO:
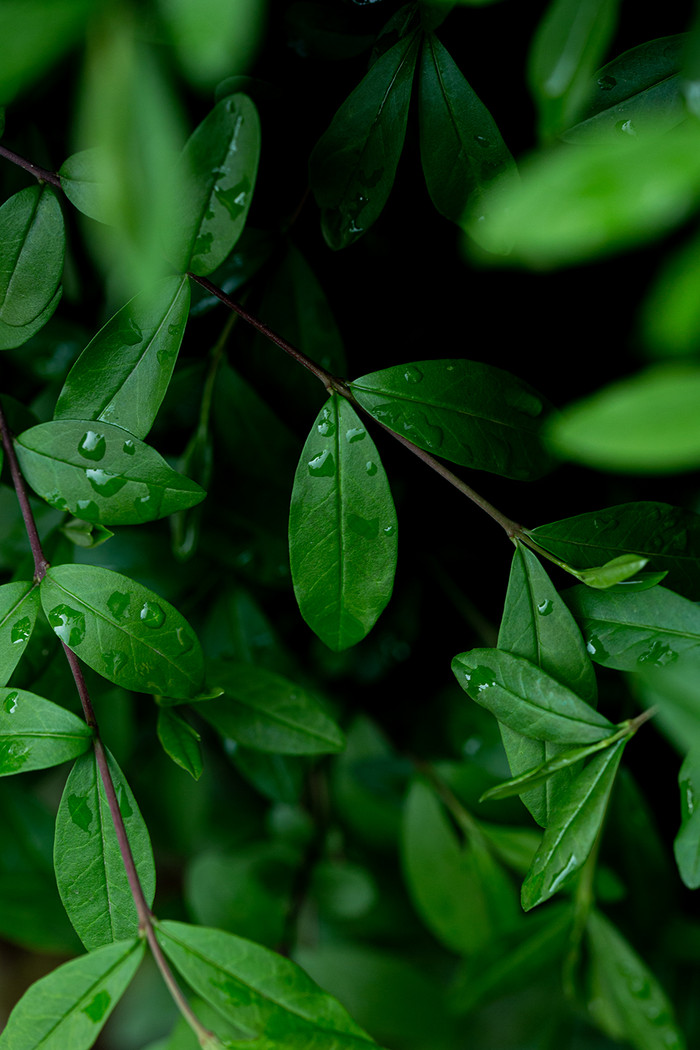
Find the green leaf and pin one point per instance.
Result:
(212, 37)
(576, 818)
(670, 311)
(80, 178)
(267, 712)
(280, 778)
(538, 626)
(461, 146)
(98, 472)
(645, 423)
(624, 997)
(124, 631)
(342, 528)
(686, 846)
(181, 742)
(263, 993)
(35, 733)
(12, 336)
(640, 90)
(85, 534)
(635, 632)
(71, 1004)
(32, 246)
(218, 169)
(618, 570)
(40, 31)
(19, 605)
(467, 412)
(122, 375)
(668, 536)
(526, 699)
(531, 777)
(90, 872)
(353, 165)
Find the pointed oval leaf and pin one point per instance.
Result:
(70, 1006)
(353, 165)
(81, 181)
(464, 411)
(258, 990)
(218, 168)
(576, 819)
(32, 246)
(124, 631)
(531, 777)
(342, 528)
(670, 311)
(122, 375)
(100, 473)
(686, 846)
(181, 742)
(526, 699)
(616, 571)
(90, 872)
(12, 336)
(19, 605)
(36, 734)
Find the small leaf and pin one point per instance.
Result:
(467, 412)
(181, 742)
(122, 375)
(85, 534)
(616, 571)
(342, 528)
(686, 846)
(576, 819)
(100, 473)
(36, 734)
(32, 246)
(124, 631)
(522, 696)
(69, 1007)
(90, 872)
(353, 165)
(19, 605)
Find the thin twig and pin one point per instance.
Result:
(40, 562)
(42, 174)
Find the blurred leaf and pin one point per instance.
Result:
(277, 777)
(368, 784)
(35, 733)
(32, 246)
(213, 37)
(19, 605)
(686, 846)
(35, 33)
(315, 30)
(181, 742)
(670, 312)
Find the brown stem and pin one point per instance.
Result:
(40, 173)
(40, 562)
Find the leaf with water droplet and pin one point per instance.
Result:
(122, 375)
(128, 487)
(19, 604)
(36, 734)
(88, 607)
(686, 846)
(576, 818)
(342, 576)
(90, 872)
(32, 246)
(467, 412)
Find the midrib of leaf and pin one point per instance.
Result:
(446, 97)
(276, 717)
(11, 612)
(613, 546)
(78, 466)
(642, 627)
(540, 708)
(439, 404)
(211, 179)
(20, 243)
(39, 735)
(103, 854)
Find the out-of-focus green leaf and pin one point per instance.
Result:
(32, 246)
(686, 846)
(36, 733)
(19, 604)
(36, 33)
(277, 777)
(181, 741)
(353, 165)
(212, 38)
(670, 312)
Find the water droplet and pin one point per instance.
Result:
(164, 356)
(68, 624)
(89, 511)
(55, 499)
(658, 654)
(365, 527)
(412, 374)
(355, 434)
(125, 807)
(626, 127)
(371, 468)
(21, 630)
(92, 445)
(326, 427)
(129, 447)
(689, 797)
(184, 638)
(118, 604)
(371, 180)
(80, 812)
(606, 83)
(10, 702)
(590, 646)
(114, 662)
(323, 465)
(545, 607)
(104, 481)
(152, 615)
(233, 198)
(202, 246)
(480, 679)
(482, 141)
(131, 333)
(389, 530)
(640, 986)
(98, 1006)
(13, 756)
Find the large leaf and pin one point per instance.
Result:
(467, 412)
(668, 536)
(35, 733)
(69, 1007)
(124, 631)
(538, 626)
(353, 165)
(122, 375)
(261, 992)
(575, 821)
(342, 528)
(686, 846)
(32, 246)
(90, 872)
(40, 31)
(634, 632)
(525, 698)
(218, 169)
(100, 473)
(19, 605)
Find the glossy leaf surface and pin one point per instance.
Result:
(32, 246)
(218, 170)
(617, 570)
(342, 528)
(668, 536)
(526, 699)
(70, 1006)
(576, 817)
(546, 771)
(89, 868)
(36, 733)
(124, 631)
(467, 412)
(686, 846)
(353, 165)
(258, 990)
(99, 473)
(181, 741)
(122, 375)
(12, 336)
(639, 631)
(19, 605)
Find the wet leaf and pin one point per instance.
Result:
(181, 742)
(32, 246)
(546, 771)
(686, 846)
(36, 734)
(19, 605)
(12, 336)
(618, 570)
